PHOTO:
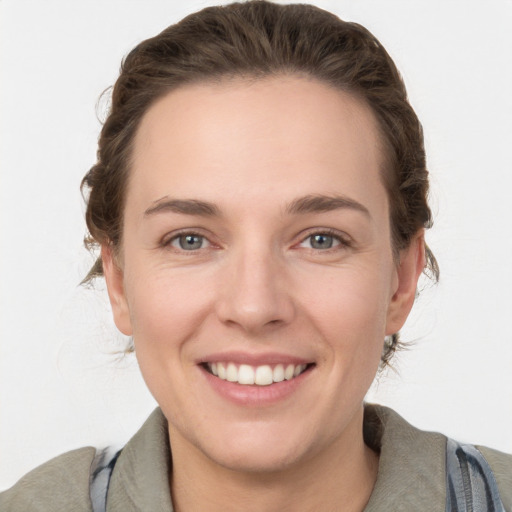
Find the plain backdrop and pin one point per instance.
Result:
(63, 382)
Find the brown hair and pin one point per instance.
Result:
(259, 39)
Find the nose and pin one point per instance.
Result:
(254, 293)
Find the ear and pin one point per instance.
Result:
(408, 271)
(115, 285)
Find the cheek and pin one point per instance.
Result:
(351, 304)
(165, 314)
(164, 304)
(350, 314)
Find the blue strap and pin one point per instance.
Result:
(101, 471)
(470, 482)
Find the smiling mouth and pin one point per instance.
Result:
(263, 375)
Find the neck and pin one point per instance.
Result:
(343, 473)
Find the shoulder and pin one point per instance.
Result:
(413, 464)
(59, 484)
(501, 465)
(137, 478)
(411, 473)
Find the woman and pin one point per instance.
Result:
(260, 203)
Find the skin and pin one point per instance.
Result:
(258, 284)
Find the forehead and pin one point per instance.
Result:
(239, 136)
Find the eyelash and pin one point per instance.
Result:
(342, 241)
(168, 242)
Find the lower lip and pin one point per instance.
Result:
(253, 395)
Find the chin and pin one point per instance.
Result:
(258, 448)
(258, 460)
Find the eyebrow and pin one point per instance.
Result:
(323, 203)
(184, 206)
(313, 203)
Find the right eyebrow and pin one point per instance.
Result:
(183, 206)
(314, 203)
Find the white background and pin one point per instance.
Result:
(62, 384)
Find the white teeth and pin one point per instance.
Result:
(278, 374)
(262, 375)
(288, 373)
(297, 371)
(245, 374)
(221, 369)
(232, 373)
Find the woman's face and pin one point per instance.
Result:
(256, 273)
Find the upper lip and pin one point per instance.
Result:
(253, 359)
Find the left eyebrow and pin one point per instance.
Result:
(321, 203)
(183, 206)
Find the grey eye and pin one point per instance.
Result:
(321, 241)
(189, 242)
